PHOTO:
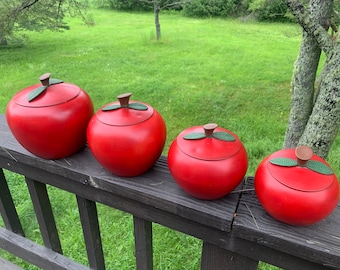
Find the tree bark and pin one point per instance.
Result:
(302, 90)
(157, 24)
(314, 124)
(323, 125)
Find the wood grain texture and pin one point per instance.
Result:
(318, 243)
(44, 214)
(36, 254)
(7, 208)
(143, 243)
(216, 258)
(91, 231)
(6, 265)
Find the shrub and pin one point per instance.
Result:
(135, 5)
(215, 8)
(270, 10)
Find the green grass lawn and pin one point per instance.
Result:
(236, 74)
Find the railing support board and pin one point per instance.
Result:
(36, 254)
(7, 208)
(6, 265)
(216, 258)
(143, 243)
(89, 220)
(44, 213)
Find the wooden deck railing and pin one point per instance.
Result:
(235, 230)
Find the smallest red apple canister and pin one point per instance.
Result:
(126, 137)
(296, 187)
(207, 162)
(50, 119)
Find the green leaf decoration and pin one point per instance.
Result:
(55, 81)
(138, 106)
(134, 106)
(36, 92)
(111, 107)
(224, 136)
(39, 90)
(285, 162)
(194, 136)
(319, 167)
(313, 165)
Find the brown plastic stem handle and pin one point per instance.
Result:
(303, 154)
(124, 99)
(45, 79)
(209, 129)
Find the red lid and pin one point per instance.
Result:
(53, 92)
(208, 142)
(124, 112)
(312, 175)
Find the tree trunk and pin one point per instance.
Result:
(302, 90)
(323, 125)
(315, 124)
(158, 26)
(3, 39)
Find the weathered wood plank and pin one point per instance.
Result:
(89, 221)
(44, 214)
(7, 207)
(311, 247)
(155, 187)
(36, 254)
(143, 243)
(148, 212)
(6, 265)
(216, 258)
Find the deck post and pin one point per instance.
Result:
(143, 243)
(89, 220)
(216, 258)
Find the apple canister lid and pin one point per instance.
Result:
(300, 169)
(50, 92)
(209, 142)
(124, 112)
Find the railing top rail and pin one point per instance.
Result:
(156, 187)
(236, 222)
(319, 242)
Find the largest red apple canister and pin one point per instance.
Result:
(296, 187)
(50, 119)
(127, 136)
(207, 162)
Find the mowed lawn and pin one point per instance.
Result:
(235, 73)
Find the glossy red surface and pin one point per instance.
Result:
(54, 124)
(127, 142)
(295, 195)
(207, 168)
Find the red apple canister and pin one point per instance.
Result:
(296, 187)
(126, 137)
(207, 162)
(50, 119)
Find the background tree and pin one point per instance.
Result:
(158, 5)
(315, 107)
(35, 15)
